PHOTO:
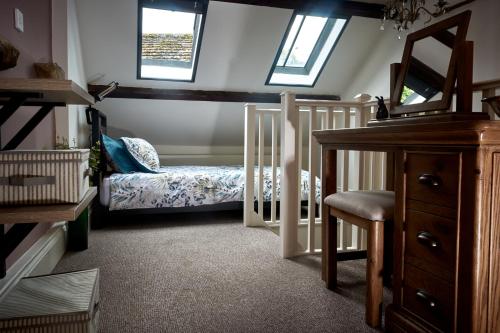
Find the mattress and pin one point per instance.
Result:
(186, 186)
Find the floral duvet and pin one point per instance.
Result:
(187, 186)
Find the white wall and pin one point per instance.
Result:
(78, 128)
(238, 48)
(66, 50)
(484, 30)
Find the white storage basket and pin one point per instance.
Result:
(32, 177)
(58, 303)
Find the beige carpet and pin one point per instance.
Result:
(207, 273)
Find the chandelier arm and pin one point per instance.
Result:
(431, 15)
(403, 12)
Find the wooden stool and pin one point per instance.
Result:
(368, 210)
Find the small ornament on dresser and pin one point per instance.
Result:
(382, 112)
(8, 55)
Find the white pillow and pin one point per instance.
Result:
(143, 152)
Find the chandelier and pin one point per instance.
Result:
(405, 12)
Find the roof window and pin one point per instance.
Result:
(169, 39)
(305, 49)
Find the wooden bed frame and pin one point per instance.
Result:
(100, 213)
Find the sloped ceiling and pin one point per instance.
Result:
(238, 48)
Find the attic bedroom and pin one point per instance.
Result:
(249, 166)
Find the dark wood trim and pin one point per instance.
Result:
(3, 252)
(321, 7)
(394, 74)
(421, 72)
(465, 64)
(201, 95)
(351, 255)
(445, 37)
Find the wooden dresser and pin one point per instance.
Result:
(447, 221)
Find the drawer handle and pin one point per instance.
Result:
(430, 301)
(429, 180)
(428, 239)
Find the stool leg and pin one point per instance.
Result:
(331, 254)
(374, 272)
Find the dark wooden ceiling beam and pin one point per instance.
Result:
(200, 95)
(318, 7)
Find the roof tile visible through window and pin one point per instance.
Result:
(176, 47)
(169, 38)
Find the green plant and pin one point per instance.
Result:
(95, 157)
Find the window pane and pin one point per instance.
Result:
(167, 37)
(306, 47)
(307, 38)
(409, 96)
(289, 40)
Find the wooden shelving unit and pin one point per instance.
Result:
(47, 94)
(46, 213)
(47, 91)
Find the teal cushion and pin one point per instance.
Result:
(119, 157)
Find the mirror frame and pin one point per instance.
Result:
(437, 31)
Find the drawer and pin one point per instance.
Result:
(431, 242)
(428, 297)
(433, 178)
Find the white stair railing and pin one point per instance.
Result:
(292, 116)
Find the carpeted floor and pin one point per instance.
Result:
(208, 273)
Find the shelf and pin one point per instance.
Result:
(51, 90)
(46, 213)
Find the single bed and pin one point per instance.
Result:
(174, 189)
(185, 186)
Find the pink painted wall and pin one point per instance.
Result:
(35, 45)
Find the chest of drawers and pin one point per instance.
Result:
(440, 196)
(447, 221)
(431, 183)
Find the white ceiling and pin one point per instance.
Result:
(238, 48)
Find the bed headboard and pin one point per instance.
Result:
(98, 122)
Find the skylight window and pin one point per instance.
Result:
(306, 47)
(169, 39)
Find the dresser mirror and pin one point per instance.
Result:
(429, 67)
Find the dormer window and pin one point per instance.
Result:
(169, 39)
(305, 49)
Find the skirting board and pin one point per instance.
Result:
(40, 259)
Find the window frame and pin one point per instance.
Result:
(197, 38)
(305, 70)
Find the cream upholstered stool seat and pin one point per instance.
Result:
(368, 210)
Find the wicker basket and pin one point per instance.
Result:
(33, 177)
